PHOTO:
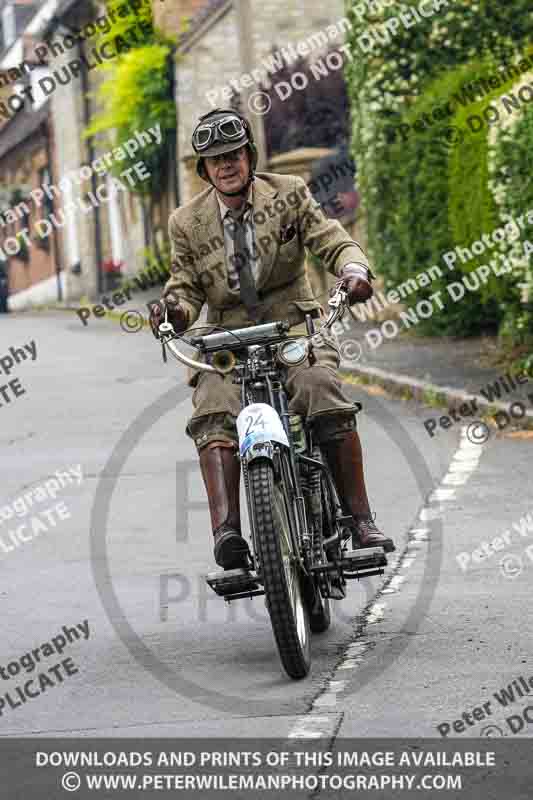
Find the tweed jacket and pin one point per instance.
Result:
(287, 221)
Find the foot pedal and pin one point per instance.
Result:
(364, 558)
(336, 590)
(233, 581)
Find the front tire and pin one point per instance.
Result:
(279, 571)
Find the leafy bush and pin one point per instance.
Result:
(428, 194)
(136, 94)
(512, 168)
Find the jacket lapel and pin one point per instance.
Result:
(264, 195)
(207, 230)
(207, 223)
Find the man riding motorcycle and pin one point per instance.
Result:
(262, 224)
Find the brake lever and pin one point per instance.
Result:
(163, 350)
(338, 307)
(164, 330)
(338, 298)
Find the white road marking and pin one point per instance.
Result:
(441, 495)
(394, 584)
(376, 613)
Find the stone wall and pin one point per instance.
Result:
(210, 58)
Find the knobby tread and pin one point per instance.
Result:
(295, 659)
(320, 621)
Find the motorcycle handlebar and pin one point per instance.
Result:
(167, 333)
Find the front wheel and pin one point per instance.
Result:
(279, 569)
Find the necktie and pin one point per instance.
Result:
(248, 288)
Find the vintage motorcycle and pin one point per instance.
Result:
(300, 553)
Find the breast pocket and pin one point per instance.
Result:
(289, 254)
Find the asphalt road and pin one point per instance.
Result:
(405, 653)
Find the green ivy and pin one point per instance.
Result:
(426, 195)
(513, 163)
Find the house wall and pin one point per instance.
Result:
(210, 59)
(123, 213)
(121, 222)
(20, 166)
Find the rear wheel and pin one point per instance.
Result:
(319, 613)
(280, 571)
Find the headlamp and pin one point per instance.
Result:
(293, 352)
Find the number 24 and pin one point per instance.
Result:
(255, 422)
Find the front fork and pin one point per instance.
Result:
(282, 467)
(286, 469)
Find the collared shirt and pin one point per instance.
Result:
(229, 240)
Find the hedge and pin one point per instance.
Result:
(425, 196)
(511, 157)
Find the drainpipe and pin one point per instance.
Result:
(91, 155)
(57, 251)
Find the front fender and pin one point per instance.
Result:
(259, 426)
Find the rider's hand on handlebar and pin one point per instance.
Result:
(355, 283)
(177, 316)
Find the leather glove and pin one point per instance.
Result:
(177, 316)
(352, 280)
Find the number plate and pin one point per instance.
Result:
(259, 422)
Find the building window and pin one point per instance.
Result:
(9, 28)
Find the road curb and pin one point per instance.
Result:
(116, 316)
(408, 388)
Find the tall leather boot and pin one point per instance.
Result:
(221, 470)
(345, 460)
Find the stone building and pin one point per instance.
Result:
(210, 53)
(27, 158)
(113, 231)
(46, 138)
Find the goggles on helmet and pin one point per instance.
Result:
(228, 129)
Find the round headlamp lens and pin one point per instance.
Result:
(293, 352)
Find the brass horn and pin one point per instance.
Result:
(224, 361)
